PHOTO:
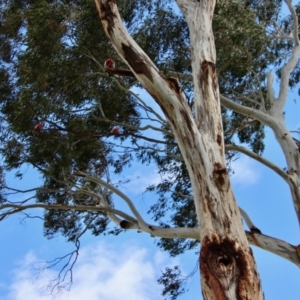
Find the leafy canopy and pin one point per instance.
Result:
(51, 72)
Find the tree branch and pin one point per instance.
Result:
(270, 91)
(16, 208)
(269, 164)
(290, 65)
(248, 221)
(104, 203)
(125, 72)
(276, 246)
(165, 91)
(132, 207)
(249, 112)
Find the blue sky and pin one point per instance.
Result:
(127, 266)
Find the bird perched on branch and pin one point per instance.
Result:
(115, 130)
(38, 127)
(109, 64)
(110, 68)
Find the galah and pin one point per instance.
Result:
(109, 64)
(38, 127)
(115, 130)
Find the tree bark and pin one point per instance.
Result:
(227, 266)
(228, 270)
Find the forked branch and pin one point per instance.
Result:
(276, 246)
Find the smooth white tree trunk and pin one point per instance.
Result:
(228, 270)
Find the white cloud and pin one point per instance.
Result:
(101, 272)
(245, 172)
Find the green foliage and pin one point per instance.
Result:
(172, 280)
(51, 57)
(51, 73)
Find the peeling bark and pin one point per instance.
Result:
(228, 270)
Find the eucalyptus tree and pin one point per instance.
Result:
(77, 123)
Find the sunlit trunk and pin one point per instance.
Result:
(228, 270)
